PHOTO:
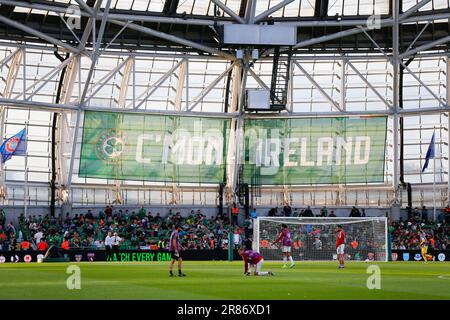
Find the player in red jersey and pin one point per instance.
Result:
(340, 245)
(286, 241)
(253, 259)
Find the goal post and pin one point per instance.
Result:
(314, 238)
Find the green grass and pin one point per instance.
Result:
(225, 280)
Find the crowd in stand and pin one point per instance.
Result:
(145, 230)
(141, 230)
(406, 233)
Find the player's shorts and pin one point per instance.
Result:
(286, 249)
(340, 249)
(424, 250)
(176, 255)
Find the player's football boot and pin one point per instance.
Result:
(270, 273)
(181, 275)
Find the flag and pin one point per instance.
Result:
(15, 145)
(430, 153)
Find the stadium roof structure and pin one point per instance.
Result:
(351, 58)
(335, 26)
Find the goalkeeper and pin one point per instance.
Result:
(253, 259)
(424, 247)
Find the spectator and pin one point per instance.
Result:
(65, 244)
(317, 244)
(287, 210)
(38, 236)
(235, 213)
(446, 211)
(108, 212)
(424, 213)
(416, 214)
(324, 212)
(25, 245)
(441, 216)
(355, 212)
(2, 218)
(42, 246)
(253, 214)
(236, 238)
(308, 212)
(272, 212)
(332, 214)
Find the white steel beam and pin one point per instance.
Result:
(383, 23)
(86, 86)
(147, 93)
(258, 79)
(9, 57)
(228, 11)
(175, 39)
(447, 78)
(64, 130)
(182, 76)
(369, 85)
(274, 9)
(250, 11)
(211, 86)
(45, 79)
(424, 47)
(103, 81)
(124, 85)
(321, 90)
(441, 102)
(37, 33)
(11, 78)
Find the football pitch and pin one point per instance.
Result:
(225, 280)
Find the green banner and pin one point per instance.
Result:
(314, 151)
(153, 147)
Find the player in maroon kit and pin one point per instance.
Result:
(286, 241)
(340, 245)
(255, 260)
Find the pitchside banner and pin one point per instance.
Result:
(153, 147)
(314, 151)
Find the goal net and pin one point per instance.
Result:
(315, 238)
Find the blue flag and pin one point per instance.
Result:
(430, 153)
(15, 145)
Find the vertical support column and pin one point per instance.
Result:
(231, 159)
(343, 83)
(290, 109)
(250, 11)
(240, 124)
(395, 65)
(26, 191)
(448, 127)
(127, 71)
(180, 85)
(24, 73)
(9, 87)
(187, 84)
(134, 81)
(64, 128)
